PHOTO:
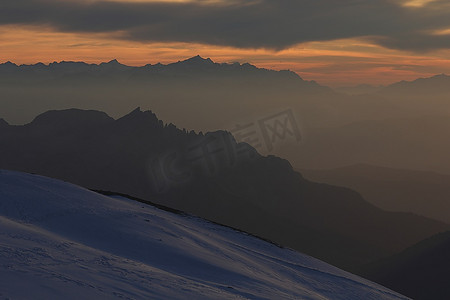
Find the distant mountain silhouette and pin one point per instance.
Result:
(212, 176)
(195, 66)
(419, 192)
(403, 143)
(196, 61)
(231, 91)
(437, 84)
(200, 89)
(421, 272)
(398, 130)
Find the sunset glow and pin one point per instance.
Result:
(335, 63)
(331, 61)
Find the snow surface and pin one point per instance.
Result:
(60, 241)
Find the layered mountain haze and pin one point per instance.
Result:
(437, 85)
(421, 271)
(237, 88)
(432, 86)
(199, 94)
(179, 149)
(420, 192)
(404, 143)
(192, 85)
(211, 176)
(215, 175)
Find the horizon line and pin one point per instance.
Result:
(115, 60)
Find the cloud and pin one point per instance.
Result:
(272, 24)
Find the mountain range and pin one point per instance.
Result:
(69, 71)
(234, 91)
(435, 85)
(212, 176)
(370, 225)
(199, 94)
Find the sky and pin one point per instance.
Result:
(336, 43)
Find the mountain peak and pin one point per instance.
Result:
(8, 63)
(113, 63)
(427, 85)
(441, 76)
(137, 115)
(136, 110)
(198, 60)
(8, 66)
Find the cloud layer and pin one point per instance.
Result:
(273, 24)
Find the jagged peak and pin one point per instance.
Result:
(39, 64)
(8, 63)
(195, 64)
(114, 63)
(139, 114)
(197, 60)
(137, 110)
(248, 65)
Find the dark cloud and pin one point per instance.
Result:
(274, 24)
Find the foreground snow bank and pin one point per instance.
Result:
(60, 241)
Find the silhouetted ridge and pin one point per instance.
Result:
(141, 118)
(8, 66)
(431, 85)
(114, 62)
(71, 118)
(424, 193)
(114, 65)
(420, 272)
(195, 66)
(211, 176)
(71, 67)
(3, 123)
(69, 64)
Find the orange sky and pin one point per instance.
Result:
(333, 63)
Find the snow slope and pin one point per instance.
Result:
(60, 241)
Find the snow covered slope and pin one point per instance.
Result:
(60, 241)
